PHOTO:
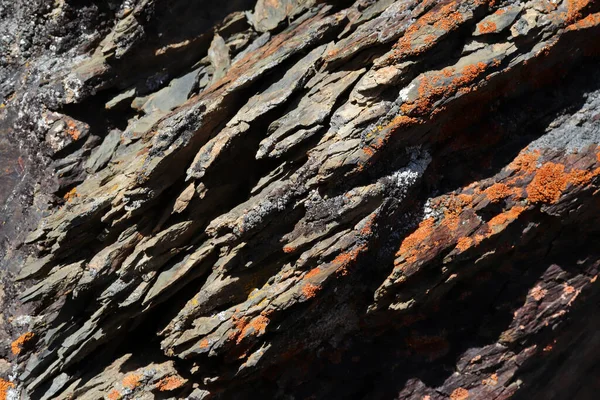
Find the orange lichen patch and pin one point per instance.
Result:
(72, 130)
(309, 290)
(239, 324)
(452, 222)
(346, 259)
(114, 395)
(71, 194)
(400, 121)
(487, 27)
(470, 73)
(444, 18)
(491, 381)
(574, 8)
(17, 346)
(464, 243)
(313, 272)
(500, 221)
(204, 343)
(548, 183)
(525, 162)
(289, 249)
(581, 177)
(5, 386)
(170, 383)
(538, 293)
(258, 326)
(500, 11)
(568, 289)
(367, 229)
(590, 21)
(132, 381)
(459, 394)
(498, 191)
(411, 242)
(433, 86)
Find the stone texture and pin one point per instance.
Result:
(300, 199)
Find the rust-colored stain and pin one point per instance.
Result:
(17, 345)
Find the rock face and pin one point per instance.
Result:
(300, 199)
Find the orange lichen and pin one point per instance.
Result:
(574, 8)
(170, 383)
(525, 162)
(435, 85)
(71, 194)
(548, 184)
(346, 259)
(309, 290)
(538, 293)
(313, 272)
(500, 11)
(5, 386)
(17, 345)
(411, 242)
(114, 395)
(132, 381)
(459, 394)
(72, 130)
(367, 229)
(499, 222)
(487, 27)
(568, 289)
(470, 73)
(491, 381)
(239, 325)
(416, 40)
(590, 21)
(204, 343)
(258, 326)
(498, 191)
(289, 249)
(464, 243)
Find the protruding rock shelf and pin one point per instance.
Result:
(300, 199)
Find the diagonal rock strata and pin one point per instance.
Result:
(314, 199)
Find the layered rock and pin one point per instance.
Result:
(308, 199)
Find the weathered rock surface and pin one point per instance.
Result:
(300, 199)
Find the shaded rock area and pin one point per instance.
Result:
(299, 199)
